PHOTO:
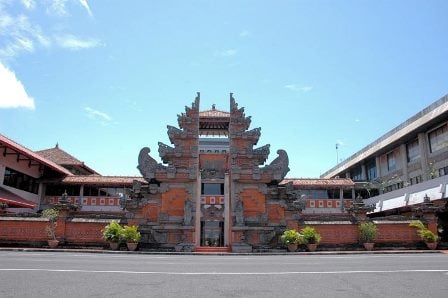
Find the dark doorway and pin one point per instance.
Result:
(212, 233)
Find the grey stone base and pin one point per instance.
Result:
(241, 248)
(187, 247)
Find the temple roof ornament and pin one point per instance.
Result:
(148, 165)
(279, 166)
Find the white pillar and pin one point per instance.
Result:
(197, 225)
(227, 210)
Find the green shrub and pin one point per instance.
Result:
(309, 235)
(423, 232)
(367, 232)
(130, 234)
(52, 215)
(112, 231)
(290, 237)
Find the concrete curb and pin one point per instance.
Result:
(104, 251)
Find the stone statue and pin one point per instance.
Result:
(239, 213)
(279, 166)
(188, 213)
(147, 165)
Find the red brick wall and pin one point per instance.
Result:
(335, 234)
(32, 230)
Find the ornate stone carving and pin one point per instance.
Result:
(165, 149)
(188, 213)
(147, 165)
(279, 166)
(239, 213)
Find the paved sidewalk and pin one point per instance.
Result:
(324, 252)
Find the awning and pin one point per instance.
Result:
(14, 201)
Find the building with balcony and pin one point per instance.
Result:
(405, 167)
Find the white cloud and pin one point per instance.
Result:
(57, 7)
(75, 43)
(29, 4)
(19, 35)
(228, 53)
(12, 92)
(86, 6)
(297, 88)
(102, 117)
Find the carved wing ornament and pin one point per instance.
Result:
(279, 166)
(146, 164)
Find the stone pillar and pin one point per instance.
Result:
(404, 162)
(41, 195)
(197, 225)
(341, 198)
(363, 172)
(424, 149)
(378, 167)
(378, 171)
(81, 197)
(227, 210)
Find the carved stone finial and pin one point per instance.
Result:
(146, 164)
(213, 107)
(279, 166)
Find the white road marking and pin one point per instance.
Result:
(226, 273)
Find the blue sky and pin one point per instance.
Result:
(104, 78)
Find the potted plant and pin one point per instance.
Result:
(310, 237)
(131, 236)
(111, 233)
(367, 233)
(425, 234)
(290, 238)
(52, 215)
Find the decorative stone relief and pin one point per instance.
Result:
(148, 165)
(239, 213)
(279, 166)
(188, 213)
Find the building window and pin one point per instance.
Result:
(391, 165)
(212, 189)
(371, 170)
(58, 190)
(20, 181)
(438, 138)
(443, 171)
(393, 187)
(412, 150)
(356, 174)
(416, 180)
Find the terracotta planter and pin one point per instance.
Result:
(53, 243)
(369, 245)
(431, 245)
(132, 245)
(292, 247)
(114, 245)
(311, 246)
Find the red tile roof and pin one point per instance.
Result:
(6, 142)
(61, 157)
(319, 183)
(103, 180)
(213, 113)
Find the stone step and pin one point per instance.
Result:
(212, 249)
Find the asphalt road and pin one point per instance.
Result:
(64, 274)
